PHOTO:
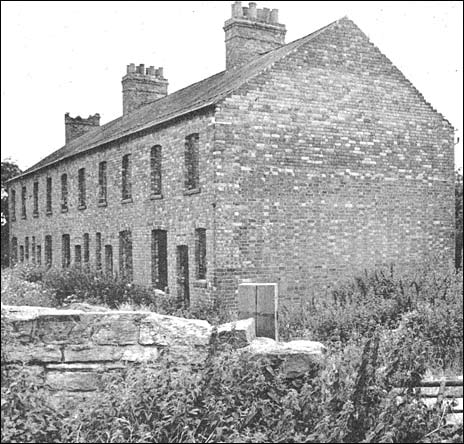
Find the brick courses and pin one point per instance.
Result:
(325, 162)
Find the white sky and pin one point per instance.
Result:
(62, 57)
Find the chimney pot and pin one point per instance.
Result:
(237, 10)
(266, 14)
(275, 16)
(252, 13)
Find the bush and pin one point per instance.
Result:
(425, 300)
(18, 291)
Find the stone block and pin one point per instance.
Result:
(162, 330)
(238, 334)
(72, 381)
(294, 358)
(34, 353)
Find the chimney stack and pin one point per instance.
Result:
(77, 126)
(251, 32)
(142, 85)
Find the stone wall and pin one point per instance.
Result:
(69, 350)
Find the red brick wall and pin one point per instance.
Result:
(330, 162)
(177, 213)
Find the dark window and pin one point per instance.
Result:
(48, 251)
(86, 248)
(155, 167)
(98, 251)
(200, 252)
(125, 255)
(49, 196)
(126, 177)
(191, 162)
(13, 205)
(102, 183)
(39, 254)
(64, 192)
(26, 248)
(78, 255)
(23, 202)
(35, 212)
(108, 259)
(33, 257)
(159, 259)
(14, 250)
(65, 251)
(81, 182)
(21, 253)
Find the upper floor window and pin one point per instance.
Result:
(64, 192)
(35, 212)
(13, 205)
(155, 170)
(102, 183)
(81, 183)
(48, 203)
(200, 252)
(191, 162)
(23, 202)
(126, 177)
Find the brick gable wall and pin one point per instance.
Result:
(330, 162)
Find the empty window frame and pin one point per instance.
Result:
(126, 177)
(64, 192)
(23, 202)
(109, 259)
(48, 202)
(13, 205)
(155, 170)
(33, 253)
(192, 162)
(48, 251)
(65, 251)
(26, 248)
(78, 255)
(98, 251)
(200, 253)
(86, 246)
(102, 183)
(81, 189)
(159, 259)
(21, 253)
(35, 194)
(14, 250)
(125, 255)
(39, 254)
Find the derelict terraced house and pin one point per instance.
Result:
(300, 164)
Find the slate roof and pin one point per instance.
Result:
(192, 98)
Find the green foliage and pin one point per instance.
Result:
(26, 416)
(425, 301)
(458, 193)
(8, 171)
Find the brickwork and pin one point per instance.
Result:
(326, 162)
(337, 164)
(77, 126)
(176, 211)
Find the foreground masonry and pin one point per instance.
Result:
(300, 164)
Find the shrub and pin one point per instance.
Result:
(18, 291)
(26, 416)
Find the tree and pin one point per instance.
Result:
(458, 215)
(9, 170)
